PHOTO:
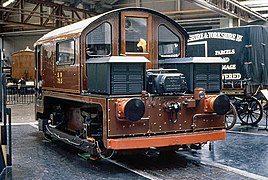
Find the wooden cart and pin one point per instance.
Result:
(245, 74)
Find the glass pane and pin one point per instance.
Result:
(136, 34)
(65, 54)
(168, 43)
(98, 41)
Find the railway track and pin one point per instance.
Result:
(32, 156)
(173, 167)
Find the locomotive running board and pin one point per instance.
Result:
(165, 140)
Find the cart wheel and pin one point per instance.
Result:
(249, 111)
(230, 117)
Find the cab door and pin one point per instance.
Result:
(136, 36)
(67, 66)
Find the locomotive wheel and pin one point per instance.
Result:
(249, 111)
(230, 117)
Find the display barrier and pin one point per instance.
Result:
(20, 94)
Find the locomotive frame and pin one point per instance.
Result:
(100, 86)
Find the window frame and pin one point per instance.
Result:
(57, 52)
(179, 43)
(122, 37)
(111, 40)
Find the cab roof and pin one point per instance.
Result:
(78, 27)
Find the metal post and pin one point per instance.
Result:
(3, 104)
(2, 162)
(3, 128)
(2, 133)
(1, 107)
(9, 151)
(266, 119)
(5, 135)
(7, 111)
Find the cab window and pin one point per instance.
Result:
(168, 43)
(65, 52)
(136, 34)
(98, 41)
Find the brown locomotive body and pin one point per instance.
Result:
(100, 86)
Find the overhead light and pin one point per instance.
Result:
(259, 2)
(5, 4)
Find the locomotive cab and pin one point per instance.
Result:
(102, 85)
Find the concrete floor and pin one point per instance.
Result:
(22, 113)
(34, 158)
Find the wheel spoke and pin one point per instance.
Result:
(251, 118)
(229, 120)
(255, 106)
(257, 113)
(242, 112)
(247, 118)
(254, 116)
(242, 117)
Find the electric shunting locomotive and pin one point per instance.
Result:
(120, 81)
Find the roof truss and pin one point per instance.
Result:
(40, 13)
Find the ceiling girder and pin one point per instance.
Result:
(57, 16)
(31, 13)
(230, 8)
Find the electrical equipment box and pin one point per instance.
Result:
(199, 72)
(165, 81)
(116, 75)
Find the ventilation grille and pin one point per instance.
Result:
(207, 76)
(127, 78)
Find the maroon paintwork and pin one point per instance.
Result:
(66, 85)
